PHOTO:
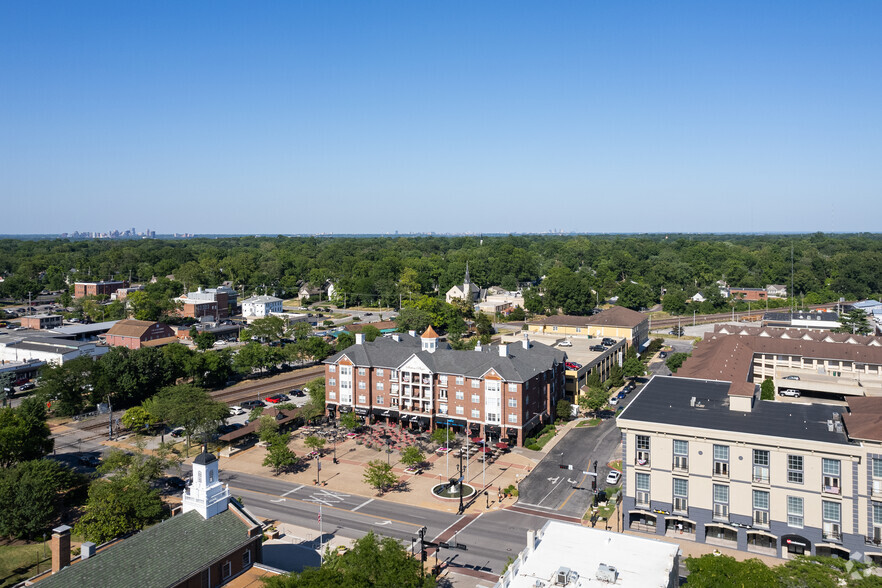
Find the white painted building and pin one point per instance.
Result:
(261, 306)
(55, 350)
(563, 554)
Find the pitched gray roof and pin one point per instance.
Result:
(519, 366)
(160, 556)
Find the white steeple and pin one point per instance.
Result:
(206, 493)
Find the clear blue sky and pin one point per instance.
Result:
(307, 117)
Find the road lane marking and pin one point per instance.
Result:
(571, 494)
(292, 490)
(365, 503)
(279, 500)
(342, 510)
(553, 488)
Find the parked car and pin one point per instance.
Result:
(613, 478)
(297, 392)
(179, 432)
(236, 410)
(572, 365)
(175, 483)
(608, 342)
(790, 392)
(277, 398)
(663, 355)
(613, 401)
(31, 386)
(90, 460)
(565, 344)
(622, 395)
(597, 348)
(249, 404)
(791, 377)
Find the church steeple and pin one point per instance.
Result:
(206, 493)
(467, 280)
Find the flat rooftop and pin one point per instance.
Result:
(668, 400)
(640, 562)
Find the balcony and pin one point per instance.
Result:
(832, 533)
(832, 490)
(642, 459)
(760, 474)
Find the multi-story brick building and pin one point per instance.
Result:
(82, 289)
(217, 302)
(42, 321)
(498, 392)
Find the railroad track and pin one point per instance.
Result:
(279, 384)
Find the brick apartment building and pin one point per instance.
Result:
(217, 302)
(82, 289)
(748, 294)
(135, 334)
(497, 392)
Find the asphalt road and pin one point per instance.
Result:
(548, 488)
(490, 539)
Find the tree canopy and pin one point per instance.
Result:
(24, 434)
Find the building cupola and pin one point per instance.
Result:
(206, 493)
(430, 340)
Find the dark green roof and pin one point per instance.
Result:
(160, 556)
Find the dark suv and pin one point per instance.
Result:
(597, 348)
(608, 342)
(249, 404)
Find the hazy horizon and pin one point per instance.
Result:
(460, 118)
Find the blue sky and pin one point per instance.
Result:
(309, 117)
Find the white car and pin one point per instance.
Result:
(789, 392)
(236, 410)
(565, 344)
(613, 478)
(613, 401)
(791, 377)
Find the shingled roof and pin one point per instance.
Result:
(160, 556)
(130, 328)
(518, 365)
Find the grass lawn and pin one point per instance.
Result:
(589, 423)
(19, 562)
(541, 441)
(616, 465)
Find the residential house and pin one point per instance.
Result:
(776, 291)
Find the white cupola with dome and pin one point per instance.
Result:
(206, 493)
(430, 340)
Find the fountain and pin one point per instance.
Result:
(453, 489)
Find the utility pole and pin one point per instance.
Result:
(110, 412)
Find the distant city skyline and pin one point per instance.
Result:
(496, 117)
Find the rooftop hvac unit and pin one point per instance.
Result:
(607, 573)
(562, 577)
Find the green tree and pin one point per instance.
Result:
(378, 474)
(279, 456)
(137, 464)
(854, 322)
(616, 377)
(137, 419)
(316, 390)
(564, 409)
(24, 434)
(483, 325)
(118, 505)
(64, 384)
(767, 389)
(31, 495)
(412, 456)
(593, 381)
(674, 301)
(344, 341)
(440, 436)
(371, 563)
(252, 356)
(348, 420)
(593, 400)
(633, 367)
(204, 340)
(315, 443)
(267, 428)
(517, 314)
(271, 328)
(370, 333)
(723, 571)
(189, 407)
(675, 360)
(412, 319)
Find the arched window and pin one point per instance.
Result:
(210, 476)
(198, 477)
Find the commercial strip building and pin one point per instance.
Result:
(617, 322)
(709, 461)
(497, 392)
(42, 321)
(42, 347)
(564, 554)
(820, 321)
(82, 289)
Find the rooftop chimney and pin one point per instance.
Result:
(87, 550)
(60, 546)
(396, 337)
(526, 341)
(359, 338)
(503, 350)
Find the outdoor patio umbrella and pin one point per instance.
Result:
(486, 450)
(501, 445)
